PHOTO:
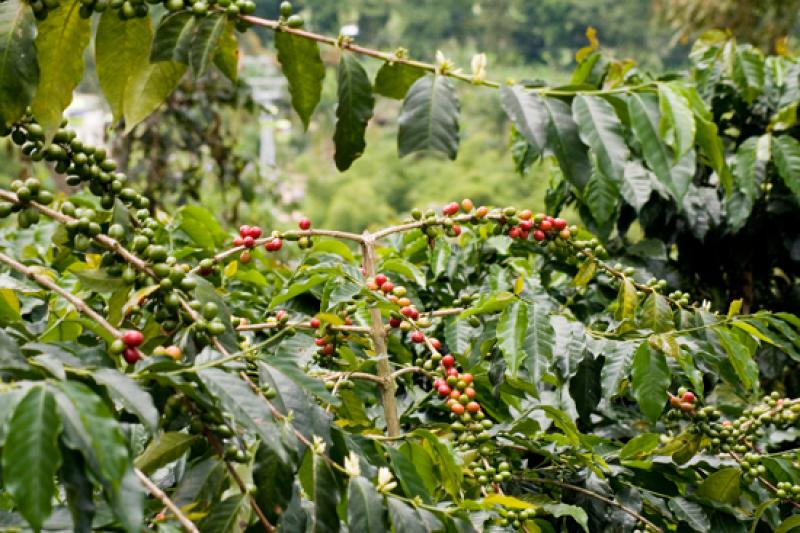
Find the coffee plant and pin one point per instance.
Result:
(471, 368)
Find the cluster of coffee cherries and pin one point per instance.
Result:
(128, 345)
(289, 18)
(513, 517)
(247, 238)
(328, 338)
(26, 191)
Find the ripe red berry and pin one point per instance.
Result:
(523, 235)
(280, 314)
(387, 286)
(245, 257)
(133, 338)
(689, 397)
(538, 235)
(546, 225)
(380, 279)
(448, 361)
(328, 349)
(467, 378)
(450, 209)
(525, 225)
(686, 407)
(452, 372)
(255, 232)
(473, 407)
(470, 392)
(457, 408)
(395, 322)
(238, 241)
(244, 230)
(348, 321)
(467, 205)
(514, 232)
(273, 245)
(304, 223)
(525, 214)
(674, 401)
(314, 322)
(418, 337)
(456, 229)
(559, 224)
(444, 390)
(321, 341)
(436, 343)
(249, 241)
(131, 355)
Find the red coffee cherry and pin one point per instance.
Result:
(457, 408)
(689, 397)
(546, 225)
(418, 337)
(395, 322)
(436, 343)
(314, 322)
(244, 230)
(538, 235)
(273, 245)
(255, 232)
(304, 223)
(133, 338)
(238, 241)
(473, 407)
(380, 279)
(387, 286)
(444, 390)
(559, 224)
(448, 361)
(131, 355)
(450, 209)
(249, 241)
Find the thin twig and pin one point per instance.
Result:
(187, 524)
(301, 325)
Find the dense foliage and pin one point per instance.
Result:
(473, 368)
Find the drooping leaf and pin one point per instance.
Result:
(645, 121)
(62, 38)
(637, 185)
(79, 490)
(650, 380)
(205, 41)
(712, 149)
(601, 130)
(353, 111)
(429, 120)
(740, 358)
(395, 79)
(365, 511)
(748, 71)
(722, 486)
(407, 519)
(304, 70)
(641, 444)
(165, 449)
(528, 114)
(135, 400)
(618, 358)
(274, 479)
(657, 313)
(677, 120)
(786, 151)
(511, 332)
(325, 493)
(601, 195)
(564, 141)
(173, 38)
(415, 470)
(626, 300)
(539, 342)
(225, 517)
(148, 86)
(691, 513)
(121, 47)
(227, 56)
(19, 68)
(31, 456)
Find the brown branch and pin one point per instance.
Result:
(301, 325)
(47, 283)
(361, 50)
(187, 524)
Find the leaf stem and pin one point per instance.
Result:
(187, 524)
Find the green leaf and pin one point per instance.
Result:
(564, 141)
(539, 343)
(11, 357)
(62, 38)
(31, 456)
(657, 313)
(558, 510)
(440, 256)
(511, 332)
(722, 486)
(148, 86)
(640, 445)
(601, 195)
(618, 357)
(173, 39)
(601, 130)
(415, 470)
(637, 185)
(273, 479)
(406, 269)
(206, 41)
(792, 523)
(202, 228)
(303, 68)
(740, 358)
(712, 148)
(248, 408)
(407, 519)
(19, 68)
(365, 511)
(626, 300)
(429, 119)
(677, 121)
(786, 151)
(645, 120)
(227, 56)
(395, 79)
(79, 490)
(121, 46)
(650, 379)
(167, 448)
(528, 114)
(585, 274)
(325, 493)
(748, 71)
(450, 472)
(225, 516)
(691, 513)
(126, 391)
(353, 111)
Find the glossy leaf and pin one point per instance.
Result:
(126, 391)
(601, 130)
(205, 42)
(529, 116)
(365, 511)
(722, 486)
(657, 313)
(511, 332)
(429, 119)
(786, 151)
(165, 449)
(677, 120)
(148, 86)
(173, 40)
(353, 111)
(539, 342)
(564, 141)
(650, 379)
(691, 513)
(645, 122)
(225, 516)
(62, 38)
(19, 68)
(303, 68)
(395, 79)
(618, 358)
(227, 56)
(31, 456)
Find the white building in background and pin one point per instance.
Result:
(89, 117)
